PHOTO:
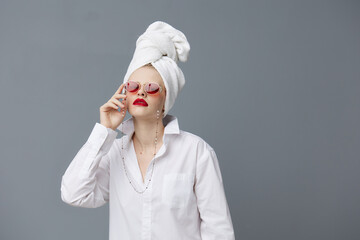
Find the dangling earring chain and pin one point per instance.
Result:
(122, 151)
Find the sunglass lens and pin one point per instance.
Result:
(152, 88)
(132, 86)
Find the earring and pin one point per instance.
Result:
(157, 114)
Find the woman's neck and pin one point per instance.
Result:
(145, 132)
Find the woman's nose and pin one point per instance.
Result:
(141, 91)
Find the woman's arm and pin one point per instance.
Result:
(86, 180)
(214, 212)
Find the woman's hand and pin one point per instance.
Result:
(110, 117)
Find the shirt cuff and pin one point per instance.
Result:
(101, 138)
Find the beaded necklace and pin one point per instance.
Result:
(122, 151)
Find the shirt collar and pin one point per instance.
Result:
(170, 123)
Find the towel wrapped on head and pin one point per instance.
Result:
(163, 46)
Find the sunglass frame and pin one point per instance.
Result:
(143, 85)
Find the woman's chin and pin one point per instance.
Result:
(141, 112)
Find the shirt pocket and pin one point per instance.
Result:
(176, 189)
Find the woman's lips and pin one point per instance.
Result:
(140, 102)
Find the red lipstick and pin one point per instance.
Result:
(140, 102)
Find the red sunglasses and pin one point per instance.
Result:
(150, 87)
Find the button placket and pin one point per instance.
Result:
(147, 208)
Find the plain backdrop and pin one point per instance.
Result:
(273, 86)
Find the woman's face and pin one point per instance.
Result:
(154, 101)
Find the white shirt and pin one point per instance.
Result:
(185, 198)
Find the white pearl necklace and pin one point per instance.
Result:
(122, 151)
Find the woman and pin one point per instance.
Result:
(161, 182)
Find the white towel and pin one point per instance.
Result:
(163, 46)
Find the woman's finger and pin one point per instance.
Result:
(120, 88)
(117, 102)
(112, 105)
(118, 95)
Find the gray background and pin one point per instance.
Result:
(272, 86)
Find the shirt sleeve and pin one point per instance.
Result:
(85, 182)
(214, 211)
